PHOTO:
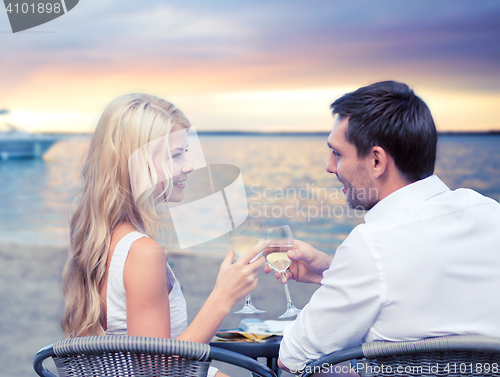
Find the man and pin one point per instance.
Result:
(425, 263)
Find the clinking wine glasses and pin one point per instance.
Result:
(281, 240)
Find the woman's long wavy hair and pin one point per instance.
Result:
(128, 124)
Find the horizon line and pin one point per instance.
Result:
(281, 133)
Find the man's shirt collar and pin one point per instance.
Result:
(417, 191)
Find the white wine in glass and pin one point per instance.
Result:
(280, 241)
(279, 259)
(241, 244)
(242, 239)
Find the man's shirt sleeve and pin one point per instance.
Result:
(342, 310)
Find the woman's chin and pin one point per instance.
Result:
(175, 197)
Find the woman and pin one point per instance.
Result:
(117, 280)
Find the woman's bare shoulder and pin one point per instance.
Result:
(146, 264)
(147, 251)
(147, 245)
(144, 251)
(143, 244)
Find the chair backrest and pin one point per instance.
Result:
(457, 355)
(125, 356)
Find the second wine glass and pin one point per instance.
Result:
(280, 241)
(243, 238)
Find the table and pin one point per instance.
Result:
(268, 349)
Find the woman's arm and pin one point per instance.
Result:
(146, 287)
(234, 282)
(148, 308)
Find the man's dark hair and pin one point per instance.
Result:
(388, 114)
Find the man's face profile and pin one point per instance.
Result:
(351, 171)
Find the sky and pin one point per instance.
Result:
(252, 65)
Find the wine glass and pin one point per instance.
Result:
(281, 240)
(242, 238)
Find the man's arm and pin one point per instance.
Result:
(341, 311)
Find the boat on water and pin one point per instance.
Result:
(16, 143)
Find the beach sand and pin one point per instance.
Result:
(31, 300)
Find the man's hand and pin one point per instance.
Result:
(307, 264)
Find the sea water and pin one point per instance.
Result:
(285, 181)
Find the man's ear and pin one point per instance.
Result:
(379, 161)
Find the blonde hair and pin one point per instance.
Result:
(127, 124)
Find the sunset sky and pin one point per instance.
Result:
(252, 65)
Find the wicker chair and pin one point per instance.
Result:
(457, 355)
(125, 356)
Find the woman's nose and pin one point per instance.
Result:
(187, 168)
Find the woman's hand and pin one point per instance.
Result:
(236, 280)
(307, 264)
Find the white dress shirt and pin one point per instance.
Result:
(425, 263)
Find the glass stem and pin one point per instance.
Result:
(248, 301)
(287, 292)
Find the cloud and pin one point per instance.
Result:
(179, 48)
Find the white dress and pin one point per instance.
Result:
(116, 299)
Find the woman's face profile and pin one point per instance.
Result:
(175, 162)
